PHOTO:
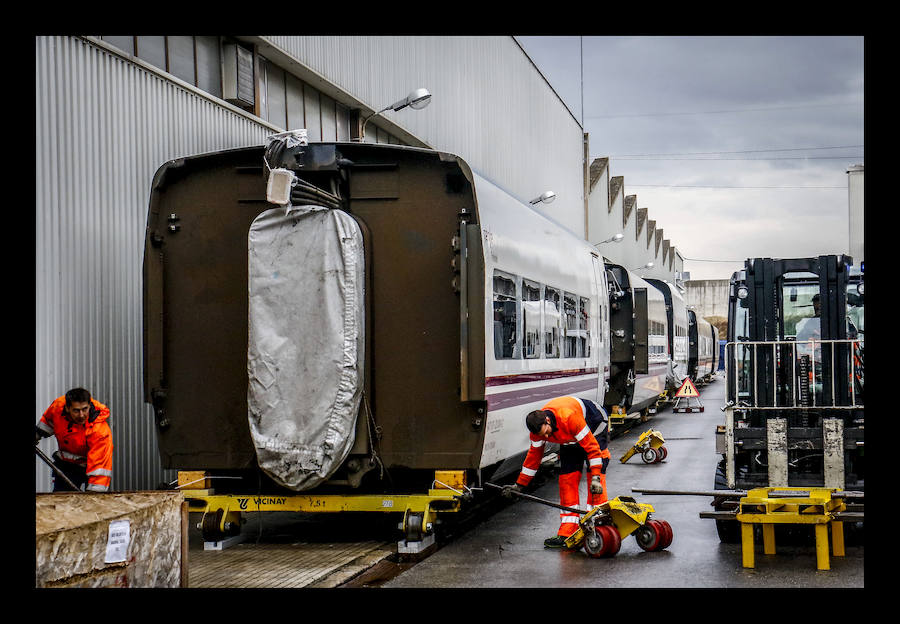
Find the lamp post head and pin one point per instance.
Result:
(417, 99)
(612, 239)
(546, 197)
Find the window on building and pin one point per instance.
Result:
(284, 100)
(272, 101)
(151, 48)
(195, 60)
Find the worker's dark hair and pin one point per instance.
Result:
(536, 419)
(78, 395)
(815, 297)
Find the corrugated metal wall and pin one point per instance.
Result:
(105, 123)
(103, 127)
(490, 105)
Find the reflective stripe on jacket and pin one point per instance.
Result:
(89, 445)
(571, 427)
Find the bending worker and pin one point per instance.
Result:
(582, 431)
(84, 438)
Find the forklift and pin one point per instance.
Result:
(794, 360)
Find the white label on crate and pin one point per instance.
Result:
(387, 502)
(117, 542)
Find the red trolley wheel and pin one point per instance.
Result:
(649, 455)
(648, 536)
(668, 534)
(615, 540)
(662, 452)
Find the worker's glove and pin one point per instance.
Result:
(596, 486)
(509, 491)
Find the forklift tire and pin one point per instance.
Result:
(729, 531)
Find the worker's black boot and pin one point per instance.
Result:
(557, 541)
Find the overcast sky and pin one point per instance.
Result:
(682, 117)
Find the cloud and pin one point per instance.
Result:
(682, 95)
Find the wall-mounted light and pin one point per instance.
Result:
(612, 239)
(649, 265)
(417, 99)
(546, 197)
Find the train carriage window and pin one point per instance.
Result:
(570, 325)
(506, 311)
(584, 325)
(552, 322)
(531, 319)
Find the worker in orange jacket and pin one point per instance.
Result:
(84, 439)
(581, 428)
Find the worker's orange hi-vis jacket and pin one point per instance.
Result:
(89, 445)
(570, 427)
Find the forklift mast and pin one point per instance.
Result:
(763, 284)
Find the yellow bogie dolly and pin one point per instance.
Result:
(650, 446)
(601, 531)
(221, 513)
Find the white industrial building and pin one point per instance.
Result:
(110, 110)
(857, 212)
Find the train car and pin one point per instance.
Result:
(677, 324)
(638, 343)
(400, 316)
(703, 349)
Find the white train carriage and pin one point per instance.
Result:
(547, 319)
(401, 316)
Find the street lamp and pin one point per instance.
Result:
(417, 99)
(612, 239)
(546, 197)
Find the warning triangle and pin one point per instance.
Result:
(687, 389)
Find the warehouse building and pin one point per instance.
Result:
(110, 110)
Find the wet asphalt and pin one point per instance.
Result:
(506, 550)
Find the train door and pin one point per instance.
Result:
(600, 327)
(641, 330)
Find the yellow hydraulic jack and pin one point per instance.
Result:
(602, 529)
(650, 446)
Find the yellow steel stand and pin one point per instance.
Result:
(771, 506)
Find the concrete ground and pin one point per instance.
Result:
(506, 551)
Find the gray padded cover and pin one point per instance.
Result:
(305, 349)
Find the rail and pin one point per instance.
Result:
(806, 367)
